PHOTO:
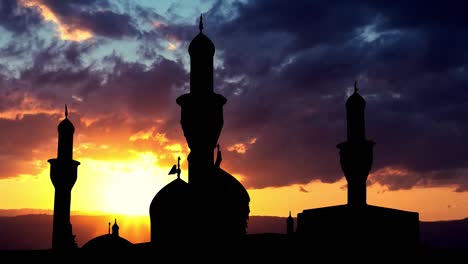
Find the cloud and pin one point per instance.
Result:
(286, 71)
(18, 19)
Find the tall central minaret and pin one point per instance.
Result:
(356, 154)
(63, 173)
(202, 111)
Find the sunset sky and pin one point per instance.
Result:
(286, 69)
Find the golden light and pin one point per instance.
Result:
(238, 147)
(171, 46)
(119, 186)
(66, 32)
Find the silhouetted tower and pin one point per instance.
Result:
(115, 228)
(356, 154)
(202, 110)
(212, 190)
(289, 224)
(63, 173)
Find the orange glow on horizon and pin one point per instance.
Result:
(66, 32)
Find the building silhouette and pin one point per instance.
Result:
(341, 226)
(212, 205)
(289, 225)
(108, 243)
(63, 173)
(209, 213)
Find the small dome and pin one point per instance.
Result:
(355, 100)
(66, 125)
(201, 45)
(107, 242)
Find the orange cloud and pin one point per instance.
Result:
(66, 32)
(26, 104)
(238, 147)
(173, 42)
(241, 148)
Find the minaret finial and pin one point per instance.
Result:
(178, 167)
(219, 158)
(289, 213)
(108, 230)
(355, 86)
(200, 24)
(66, 111)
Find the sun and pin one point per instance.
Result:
(119, 186)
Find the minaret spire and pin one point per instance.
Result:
(200, 23)
(63, 174)
(355, 86)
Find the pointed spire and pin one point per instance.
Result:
(355, 86)
(219, 158)
(289, 213)
(200, 23)
(66, 111)
(108, 229)
(178, 167)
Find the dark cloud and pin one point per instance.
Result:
(286, 70)
(100, 17)
(294, 66)
(18, 19)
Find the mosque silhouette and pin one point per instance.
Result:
(211, 210)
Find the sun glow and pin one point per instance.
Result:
(66, 32)
(120, 186)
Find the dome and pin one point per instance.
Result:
(355, 100)
(108, 242)
(66, 125)
(172, 192)
(234, 214)
(231, 186)
(201, 44)
(168, 212)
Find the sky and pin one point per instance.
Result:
(286, 70)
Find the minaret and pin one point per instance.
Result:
(356, 154)
(290, 225)
(201, 111)
(63, 173)
(115, 229)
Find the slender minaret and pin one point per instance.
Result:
(290, 225)
(202, 111)
(356, 154)
(63, 173)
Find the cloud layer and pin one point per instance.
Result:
(285, 69)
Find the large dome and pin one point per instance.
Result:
(234, 214)
(168, 212)
(175, 191)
